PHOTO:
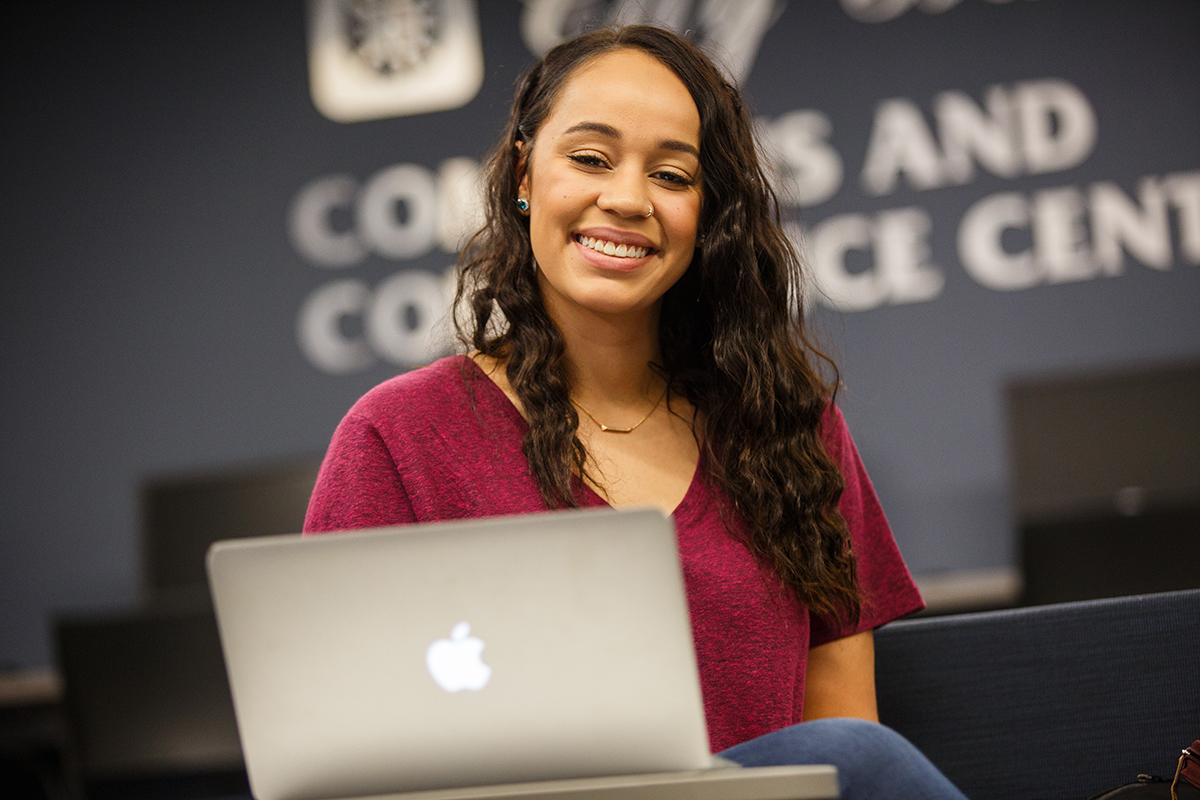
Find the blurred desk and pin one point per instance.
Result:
(33, 735)
(29, 687)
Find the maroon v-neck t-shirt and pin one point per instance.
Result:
(444, 442)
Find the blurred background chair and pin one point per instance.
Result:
(1106, 481)
(146, 697)
(148, 704)
(183, 514)
(1055, 702)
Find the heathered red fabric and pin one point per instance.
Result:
(443, 442)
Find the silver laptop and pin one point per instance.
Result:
(530, 655)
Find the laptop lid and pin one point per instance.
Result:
(492, 651)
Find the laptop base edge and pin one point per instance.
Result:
(807, 782)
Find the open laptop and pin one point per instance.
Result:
(539, 656)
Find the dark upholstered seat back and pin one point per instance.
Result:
(1050, 702)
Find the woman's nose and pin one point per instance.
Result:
(625, 194)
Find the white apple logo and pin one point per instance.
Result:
(455, 663)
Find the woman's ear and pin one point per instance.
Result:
(522, 169)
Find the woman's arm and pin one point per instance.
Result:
(840, 681)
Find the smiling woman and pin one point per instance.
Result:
(631, 319)
(612, 179)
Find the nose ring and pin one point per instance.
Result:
(650, 213)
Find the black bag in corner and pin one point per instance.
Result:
(1185, 786)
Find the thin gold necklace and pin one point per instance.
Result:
(610, 429)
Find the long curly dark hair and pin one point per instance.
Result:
(732, 334)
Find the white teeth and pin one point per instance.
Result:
(608, 248)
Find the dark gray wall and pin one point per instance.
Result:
(151, 292)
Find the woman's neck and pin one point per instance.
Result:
(609, 360)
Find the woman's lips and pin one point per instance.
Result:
(611, 248)
(608, 255)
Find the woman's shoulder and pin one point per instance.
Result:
(437, 388)
(834, 433)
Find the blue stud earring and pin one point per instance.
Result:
(523, 205)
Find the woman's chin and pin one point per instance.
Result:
(602, 302)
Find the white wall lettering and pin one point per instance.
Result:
(1055, 221)
(979, 243)
(901, 142)
(1183, 189)
(344, 327)
(903, 255)
(1078, 234)
(460, 202)
(1059, 235)
(828, 245)
(401, 212)
(1119, 224)
(403, 316)
(969, 134)
(734, 29)
(1058, 125)
(729, 30)
(319, 327)
(1008, 241)
(808, 167)
(397, 215)
(1034, 127)
(886, 10)
(310, 222)
(900, 272)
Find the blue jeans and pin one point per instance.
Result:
(872, 761)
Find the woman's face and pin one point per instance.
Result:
(623, 136)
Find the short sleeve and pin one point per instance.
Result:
(885, 584)
(359, 484)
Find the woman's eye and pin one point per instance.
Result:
(588, 159)
(674, 178)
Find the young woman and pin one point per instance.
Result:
(634, 339)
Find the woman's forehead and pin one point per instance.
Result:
(630, 90)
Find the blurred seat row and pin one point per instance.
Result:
(144, 709)
(1106, 500)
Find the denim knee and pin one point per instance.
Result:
(872, 759)
(817, 738)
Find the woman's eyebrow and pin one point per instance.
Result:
(596, 127)
(679, 147)
(608, 131)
